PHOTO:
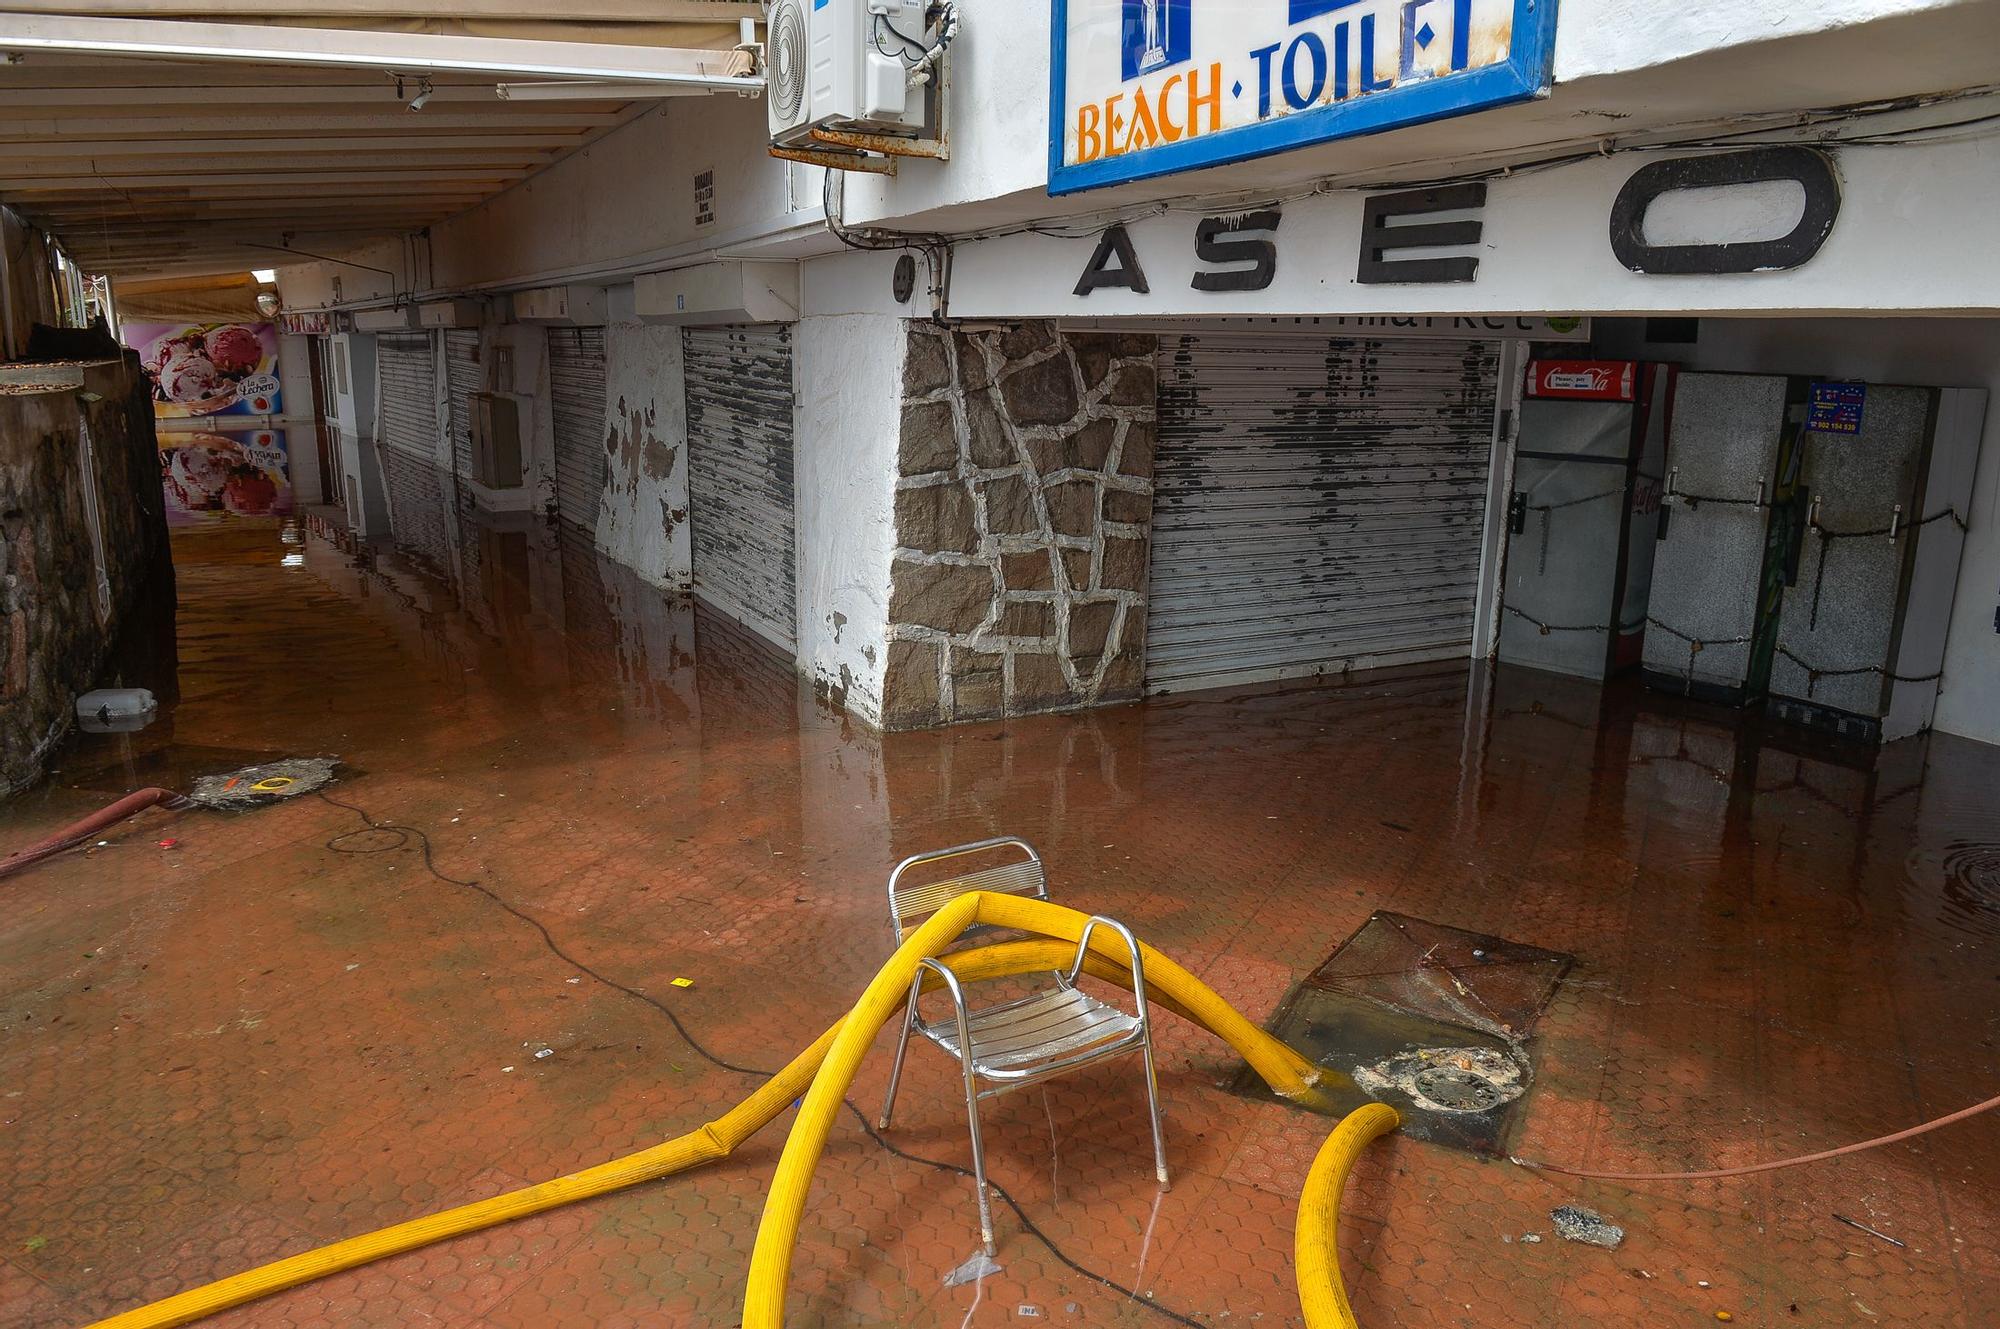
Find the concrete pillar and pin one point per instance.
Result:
(645, 520)
(848, 374)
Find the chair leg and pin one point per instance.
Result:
(1153, 1102)
(978, 1160)
(896, 1068)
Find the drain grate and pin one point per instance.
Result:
(1450, 1090)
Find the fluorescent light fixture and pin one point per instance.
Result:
(596, 91)
(264, 275)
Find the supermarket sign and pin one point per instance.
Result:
(1141, 88)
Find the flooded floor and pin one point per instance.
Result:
(224, 1039)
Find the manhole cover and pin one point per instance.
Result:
(1453, 1090)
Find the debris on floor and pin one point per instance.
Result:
(1468, 1079)
(1859, 1226)
(1587, 1226)
(254, 786)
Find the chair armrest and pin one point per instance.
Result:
(1131, 946)
(958, 1007)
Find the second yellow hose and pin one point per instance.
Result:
(1316, 1257)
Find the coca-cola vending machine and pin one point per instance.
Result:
(1590, 463)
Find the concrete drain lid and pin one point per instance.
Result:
(1466, 1079)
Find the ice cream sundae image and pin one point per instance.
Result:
(185, 373)
(213, 474)
(233, 349)
(202, 368)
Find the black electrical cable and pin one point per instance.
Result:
(404, 834)
(1546, 628)
(1826, 533)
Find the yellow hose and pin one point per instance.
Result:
(1315, 1252)
(1284, 1070)
(822, 1073)
(713, 1141)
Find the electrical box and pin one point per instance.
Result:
(711, 293)
(496, 440)
(449, 314)
(844, 64)
(401, 318)
(581, 306)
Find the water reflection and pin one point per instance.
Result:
(505, 640)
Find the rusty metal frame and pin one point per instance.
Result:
(847, 150)
(836, 161)
(889, 145)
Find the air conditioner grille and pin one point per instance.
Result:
(787, 56)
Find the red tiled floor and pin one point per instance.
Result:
(279, 1031)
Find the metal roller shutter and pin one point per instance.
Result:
(415, 489)
(407, 371)
(462, 378)
(576, 391)
(739, 405)
(1318, 504)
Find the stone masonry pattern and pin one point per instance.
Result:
(56, 639)
(1023, 517)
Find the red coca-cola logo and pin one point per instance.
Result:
(1598, 380)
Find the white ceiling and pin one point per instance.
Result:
(146, 166)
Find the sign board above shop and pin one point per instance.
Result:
(1141, 88)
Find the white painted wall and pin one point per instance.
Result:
(295, 392)
(628, 201)
(1954, 353)
(1916, 231)
(849, 379)
(643, 522)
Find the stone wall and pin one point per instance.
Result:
(58, 622)
(1023, 516)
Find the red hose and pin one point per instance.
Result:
(1774, 1165)
(79, 831)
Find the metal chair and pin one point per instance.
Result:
(1026, 1040)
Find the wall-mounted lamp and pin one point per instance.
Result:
(422, 98)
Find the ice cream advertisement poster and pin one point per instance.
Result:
(202, 369)
(214, 477)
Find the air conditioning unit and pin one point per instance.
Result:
(844, 65)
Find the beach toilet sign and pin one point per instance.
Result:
(1141, 88)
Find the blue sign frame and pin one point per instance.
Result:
(1526, 73)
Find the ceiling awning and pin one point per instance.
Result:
(153, 138)
(692, 23)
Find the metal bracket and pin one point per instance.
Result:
(889, 145)
(836, 161)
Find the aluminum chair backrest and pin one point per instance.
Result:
(916, 894)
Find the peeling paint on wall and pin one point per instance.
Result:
(644, 519)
